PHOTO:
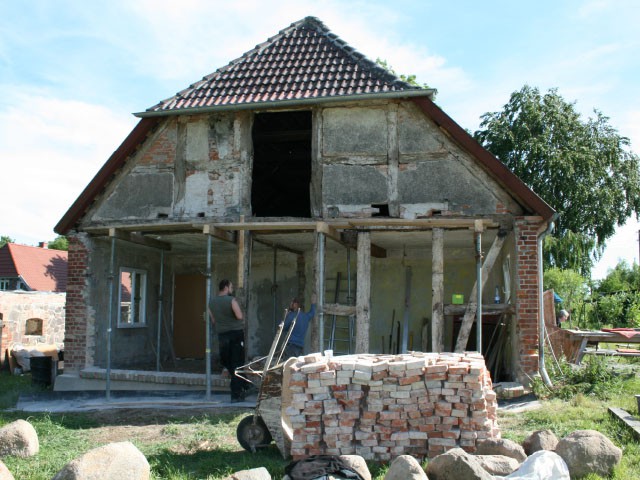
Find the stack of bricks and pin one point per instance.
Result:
(382, 406)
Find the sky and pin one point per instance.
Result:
(73, 72)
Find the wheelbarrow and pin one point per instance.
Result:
(269, 374)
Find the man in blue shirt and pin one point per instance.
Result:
(295, 345)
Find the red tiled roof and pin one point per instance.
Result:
(303, 61)
(40, 268)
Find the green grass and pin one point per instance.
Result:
(183, 445)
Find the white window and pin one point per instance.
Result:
(132, 297)
(4, 284)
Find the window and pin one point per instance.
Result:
(4, 283)
(132, 297)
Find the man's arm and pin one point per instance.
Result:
(237, 311)
(213, 320)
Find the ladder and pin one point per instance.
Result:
(341, 335)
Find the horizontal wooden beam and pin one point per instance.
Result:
(425, 223)
(337, 309)
(271, 244)
(221, 234)
(489, 309)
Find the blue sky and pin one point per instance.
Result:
(72, 72)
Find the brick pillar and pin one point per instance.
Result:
(75, 335)
(527, 306)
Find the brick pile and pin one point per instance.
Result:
(382, 406)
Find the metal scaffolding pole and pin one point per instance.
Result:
(160, 294)
(479, 291)
(207, 321)
(112, 263)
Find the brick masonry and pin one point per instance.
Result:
(75, 340)
(382, 406)
(527, 306)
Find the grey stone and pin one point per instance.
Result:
(5, 474)
(18, 439)
(498, 464)
(588, 451)
(405, 467)
(501, 446)
(456, 464)
(259, 473)
(114, 461)
(542, 465)
(540, 440)
(357, 463)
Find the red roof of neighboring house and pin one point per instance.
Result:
(40, 268)
(303, 61)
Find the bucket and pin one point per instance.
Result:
(41, 370)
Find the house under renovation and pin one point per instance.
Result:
(301, 167)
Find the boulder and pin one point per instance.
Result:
(260, 473)
(542, 465)
(540, 440)
(5, 474)
(456, 464)
(498, 464)
(114, 461)
(405, 467)
(357, 463)
(588, 451)
(18, 439)
(501, 446)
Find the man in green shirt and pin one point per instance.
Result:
(225, 313)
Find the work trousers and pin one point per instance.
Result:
(231, 357)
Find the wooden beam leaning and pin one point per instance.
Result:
(350, 239)
(472, 306)
(363, 293)
(139, 239)
(339, 310)
(437, 285)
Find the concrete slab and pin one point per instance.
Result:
(59, 402)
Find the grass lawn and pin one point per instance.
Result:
(201, 444)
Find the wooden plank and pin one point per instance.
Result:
(227, 236)
(422, 222)
(629, 420)
(437, 286)
(350, 239)
(139, 239)
(487, 309)
(271, 244)
(472, 306)
(339, 310)
(363, 293)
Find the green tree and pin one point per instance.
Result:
(60, 243)
(617, 297)
(4, 239)
(410, 79)
(584, 169)
(568, 284)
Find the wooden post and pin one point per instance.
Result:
(363, 293)
(437, 286)
(242, 283)
(317, 326)
(470, 313)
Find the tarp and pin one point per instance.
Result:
(557, 298)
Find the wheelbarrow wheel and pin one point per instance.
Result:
(252, 434)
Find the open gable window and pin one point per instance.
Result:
(132, 297)
(4, 283)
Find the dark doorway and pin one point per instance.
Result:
(189, 338)
(281, 164)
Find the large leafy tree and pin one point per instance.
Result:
(60, 243)
(584, 169)
(4, 239)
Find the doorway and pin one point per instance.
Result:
(188, 326)
(281, 164)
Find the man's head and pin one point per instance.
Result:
(563, 315)
(225, 287)
(295, 304)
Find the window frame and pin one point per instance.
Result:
(138, 276)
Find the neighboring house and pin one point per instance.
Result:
(33, 281)
(302, 167)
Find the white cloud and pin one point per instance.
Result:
(50, 149)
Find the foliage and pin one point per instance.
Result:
(617, 297)
(410, 79)
(60, 243)
(584, 169)
(593, 378)
(568, 284)
(4, 239)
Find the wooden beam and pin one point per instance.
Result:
(339, 310)
(472, 306)
(350, 239)
(426, 223)
(271, 244)
(139, 239)
(317, 327)
(437, 286)
(487, 309)
(275, 226)
(329, 231)
(221, 234)
(363, 293)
